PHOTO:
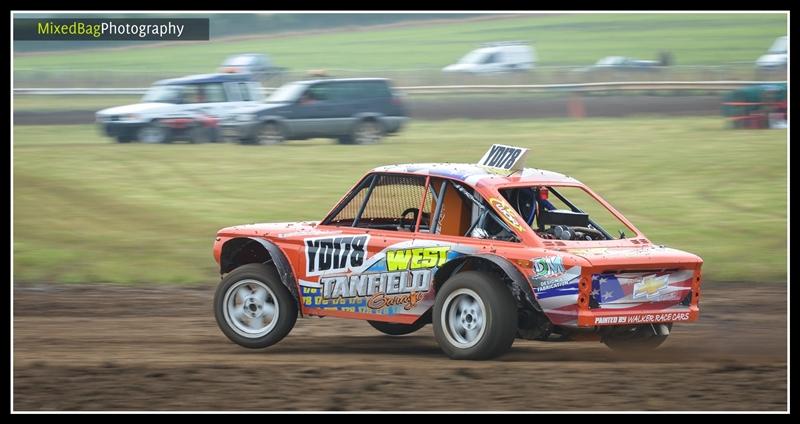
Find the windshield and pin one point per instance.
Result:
(475, 56)
(287, 93)
(779, 46)
(163, 94)
(565, 213)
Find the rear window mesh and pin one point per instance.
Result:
(392, 195)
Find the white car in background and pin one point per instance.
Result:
(508, 56)
(776, 57)
(181, 108)
(256, 64)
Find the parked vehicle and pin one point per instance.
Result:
(757, 106)
(496, 57)
(776, 57)
(487, 252)
(196, 97)
(259, 66)
(353, 111)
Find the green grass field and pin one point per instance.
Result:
(560, 39)
(89, 210)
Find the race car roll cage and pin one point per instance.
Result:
(485, 213)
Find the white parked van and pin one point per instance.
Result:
(776, 55)
(496, 57)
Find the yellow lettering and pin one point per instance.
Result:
(397, 259)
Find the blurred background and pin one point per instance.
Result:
(678, 120)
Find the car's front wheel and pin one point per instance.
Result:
(253, 308)
(124, 138)
(368, 131)
(475, 316)
(153, 133)
(269, 133)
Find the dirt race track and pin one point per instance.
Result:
(97, 347)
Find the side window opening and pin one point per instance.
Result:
(460, 211)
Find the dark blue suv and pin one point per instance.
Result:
(353, 111)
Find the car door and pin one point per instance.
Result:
(360, 263)
(210, 99)
(311, 110)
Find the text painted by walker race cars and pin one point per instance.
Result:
(642, 318)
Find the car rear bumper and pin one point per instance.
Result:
(393, 124)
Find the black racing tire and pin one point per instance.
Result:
(394, 329)
(475, 316)
(233, 292)
(640, 338)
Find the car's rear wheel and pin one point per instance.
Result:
(475, 316)
(368, 131)
(394, 329)
(253, 308)
(269, 133)
(200, 134)
(637, 337)
(153, 133)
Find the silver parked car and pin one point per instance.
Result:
(256, 64)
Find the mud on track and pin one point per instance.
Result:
(96, 347)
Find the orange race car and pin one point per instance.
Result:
(487, 252)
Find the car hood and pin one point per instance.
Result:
(636, 256)
(136, 108)
(771, 60)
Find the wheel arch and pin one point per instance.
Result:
(275, 119)
(245, 250)
(368, 116)
(511, 276)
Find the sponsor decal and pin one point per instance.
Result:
(642, 318)
(503, 157)
(383, 289)
(638, 287)
(547, 266)
(506, 213)
(335, 254)
(417, 258)
(406, 278)
(650, 286)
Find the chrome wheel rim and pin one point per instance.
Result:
(251, 308)
(464, 316)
